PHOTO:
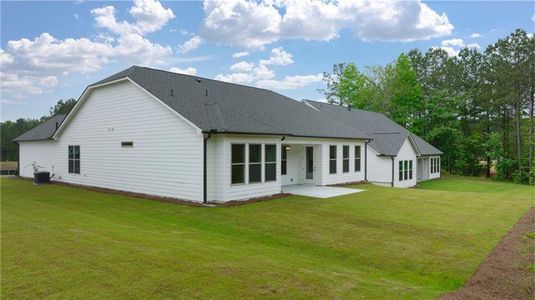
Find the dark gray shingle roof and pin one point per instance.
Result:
(225, 107)
(388, 136)
(43, 131)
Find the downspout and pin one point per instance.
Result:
(18, 160)
(205, 168)
(392, 183)
(366, 160)
(282, 139)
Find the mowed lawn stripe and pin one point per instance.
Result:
(380, 243)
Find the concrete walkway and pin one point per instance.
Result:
(318, 191)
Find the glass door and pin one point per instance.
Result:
(309, 159)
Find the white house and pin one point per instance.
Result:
(165, 134)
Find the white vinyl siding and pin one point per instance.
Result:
(43, 154)
(406, 153)
(166, 161)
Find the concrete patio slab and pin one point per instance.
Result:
(318, 191)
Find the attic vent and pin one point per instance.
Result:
(206, 92)
(198, 80)
(171, 93)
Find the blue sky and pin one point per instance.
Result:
(52, 50)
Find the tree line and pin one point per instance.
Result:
(477, 106)
(9, 151)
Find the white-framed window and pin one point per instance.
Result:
(435, 165)
(270, 162)
(237, 164)
(357, 158)
(345, 158)
(255, 163)
(284, 160)
(74, 159)
(332, 159)
(405, 170)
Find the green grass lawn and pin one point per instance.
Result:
(63, 242)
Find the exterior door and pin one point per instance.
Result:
(309, 164)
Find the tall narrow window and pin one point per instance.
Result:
(438, 164)
(410, 169)
(400, 170)
(284, 157)
(405, 169)
(270, 163)
(357, 159)
(255, 163)
(345, 157)
(332, 159)
(238, 164)
(74, 159)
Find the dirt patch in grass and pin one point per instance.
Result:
(507, 272)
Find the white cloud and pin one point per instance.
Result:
(240, 54)
(290, 82)
(453, 42)
(262, 76)
(473, 46)
(235, 78)
(262, 72)
(450, 50)
(242, 66)
(30, 84)
(279, 57)
(454, 46)
(150, 15)
(5, 58)
(190, 44)
(258, 23)
(187, 71)
(475, 35)
(32, 66)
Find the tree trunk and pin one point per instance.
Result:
(518, 145)
(488, 150)
(531, 127)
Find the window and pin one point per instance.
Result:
(332, 159)
(284, 156)
(345, 161)
(357, 159)
(435, 165)
(255, 163)
(405, 170)
(270, 163)
(127, 144)
(74, 159)
(238, 164)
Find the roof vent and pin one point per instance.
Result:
(349, 106)
(198, 80)
(206, 92)
(57, 125)
(171, 93)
